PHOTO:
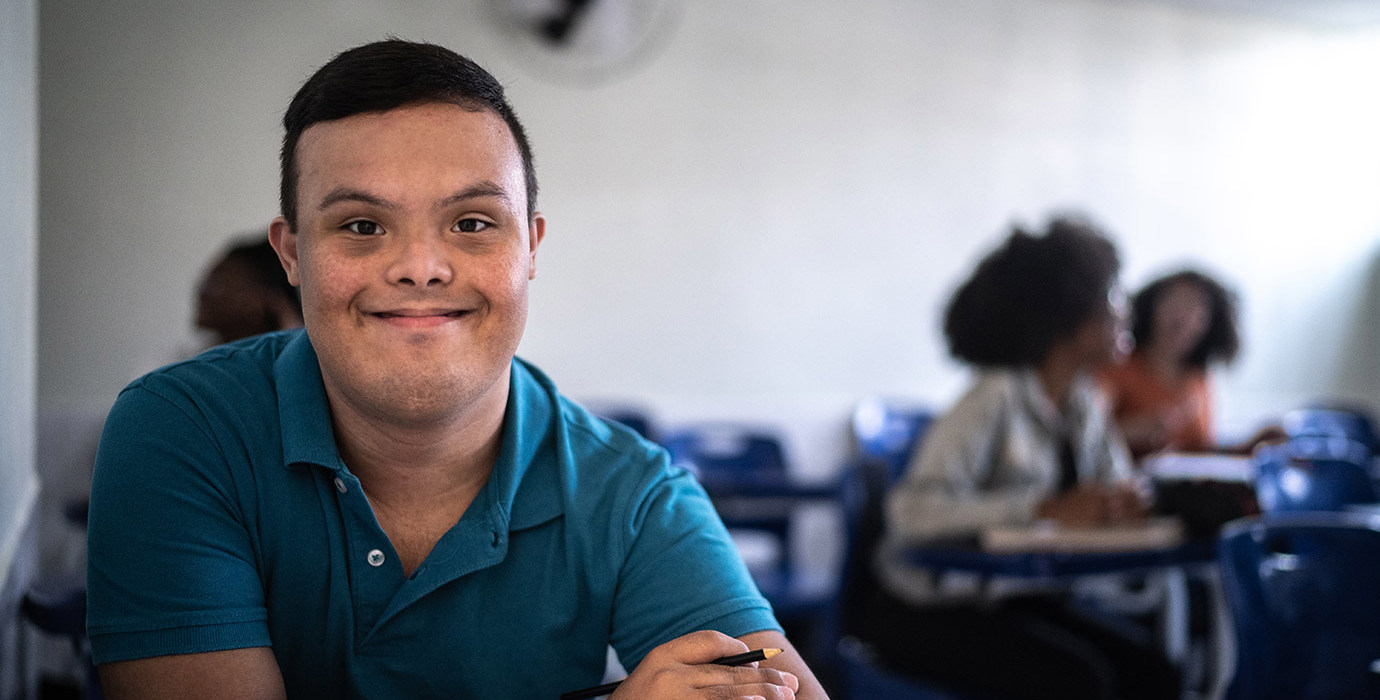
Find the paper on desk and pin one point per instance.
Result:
(1044, 536)
(1187, 466)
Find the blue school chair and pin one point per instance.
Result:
(640, 422)
(854, 672)
(1349, 423)
(1302, 592)
(630, 415)
(1304, 475)
(889, 430)
(57, 606)
(744, 470)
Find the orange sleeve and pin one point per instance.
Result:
(1197, 432)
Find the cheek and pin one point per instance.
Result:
(325, 288)
(508, 282)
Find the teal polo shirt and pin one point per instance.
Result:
(222, 517)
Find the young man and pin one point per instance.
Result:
(389, 504)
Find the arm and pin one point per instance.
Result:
(1113, 496)
(171, 570)
(236, 674)
(789, 661)
(682, 579)
(946, 490)
(681, 669)
(1148, 432)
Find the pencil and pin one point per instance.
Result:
(746, 657)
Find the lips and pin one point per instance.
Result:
(419, 318)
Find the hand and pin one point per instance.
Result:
(1094, 504)
(1125, 502)
(681, 668)
(1080, 506)
(1149, 432)
(1267, 435)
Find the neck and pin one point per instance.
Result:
(412, 462)
(1162, 361)
(1057, 374)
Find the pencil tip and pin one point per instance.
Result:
(768, 653)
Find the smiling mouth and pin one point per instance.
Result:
(418, 319)
(438, 314)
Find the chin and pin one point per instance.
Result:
(425, 398)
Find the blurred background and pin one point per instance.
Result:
(756, 209)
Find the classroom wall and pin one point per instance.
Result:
(18, 334)
(764, 218)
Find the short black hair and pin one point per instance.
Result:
(1220, 342)
(386, 75)
(1030, 293)
(263, 264)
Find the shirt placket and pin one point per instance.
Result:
(375, 571)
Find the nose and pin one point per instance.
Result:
(420, 261)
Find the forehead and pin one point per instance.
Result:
(1185, 292)
(428, 144)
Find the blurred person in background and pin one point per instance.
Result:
(1161, 396)
(245, 292)
(1031, 440)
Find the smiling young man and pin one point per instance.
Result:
(390, 504)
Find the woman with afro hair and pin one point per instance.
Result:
(1030, 440)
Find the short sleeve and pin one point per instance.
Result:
(171, 563)
(682, 573)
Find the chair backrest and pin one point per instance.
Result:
(638, 421)
(729, 457)
(629, 414)
(889, 430)
(862, 491)
(1306, 475)
(1350, 423)
(743, 468)
(1303, 593)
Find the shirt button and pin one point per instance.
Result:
(339, 485)
(375, 557)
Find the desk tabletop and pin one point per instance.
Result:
(1051, 564)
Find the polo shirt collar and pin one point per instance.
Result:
(528, 460)
(526, 478)
(303, 412)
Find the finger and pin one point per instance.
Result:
(766, 692)
(699, 647)
(710, 676)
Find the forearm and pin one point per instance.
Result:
(788, 661)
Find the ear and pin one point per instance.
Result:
(284, 242)
(536, 231)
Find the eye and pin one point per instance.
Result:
(363, 227)
(472, 225)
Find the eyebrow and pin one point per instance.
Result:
(479, 190)
(483, 189)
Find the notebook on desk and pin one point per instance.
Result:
(1155, 533)
(1191, 466)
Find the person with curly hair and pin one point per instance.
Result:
(1031, 440)
(1161, 397)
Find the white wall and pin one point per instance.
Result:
(764, 222)
(18, 267)
(18, 335)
